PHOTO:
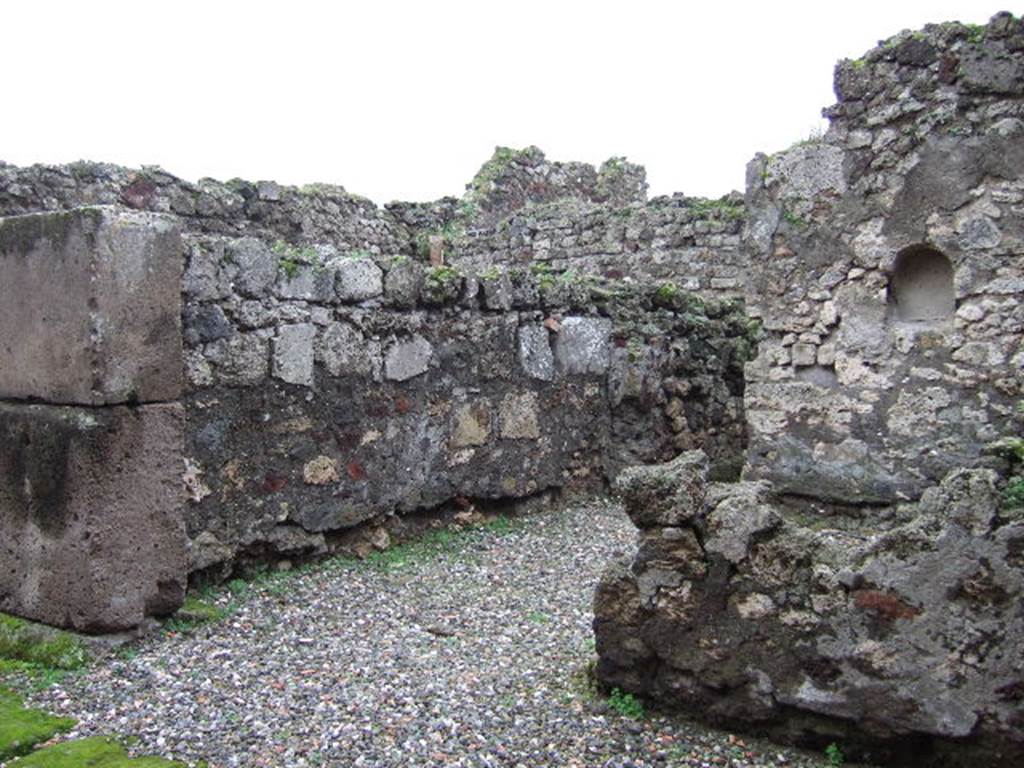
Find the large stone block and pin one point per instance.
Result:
(91, 509)
(90, 307)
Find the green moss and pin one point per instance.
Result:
(21, 728)
(42, 646)
(667, 292)
(94, 752)
(489, 172)
(716, 209)
(194, 613)
(443, 274)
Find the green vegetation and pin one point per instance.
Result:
(975, 33)
(289, 257)
(436, 544)
(94, 752)
(443, 274)
(626, 704)
(1012, 449)
(667, 292)
(793, 220)
(30, 646)
(195, 612)
(537, 617)
(717, 209)
(489, 173)
(834, 756)
(451, 234)
(21, 728)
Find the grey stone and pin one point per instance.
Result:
(205, 323)
(257, 266)
(407, 359)
(241, 360)
(91, 506)
(306, 282)
(403, 282)
(664, 494)
(497, 290)
(356, 279)
(535, 355)
(90, 307)
(345, 352)
(582, 345)
(293, 353)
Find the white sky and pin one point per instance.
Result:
(405, 100)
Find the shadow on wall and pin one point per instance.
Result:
(921, 286)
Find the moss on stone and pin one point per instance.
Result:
(21, 728)
(94, 752)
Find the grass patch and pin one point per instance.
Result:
(94, 752)
(21, 728)
(626, 704)
(22, 641)
(196, 612)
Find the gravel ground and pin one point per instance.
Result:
(472, 657)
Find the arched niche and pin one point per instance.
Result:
(921, 285)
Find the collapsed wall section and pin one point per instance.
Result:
(91, 506)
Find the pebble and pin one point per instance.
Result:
(472, 658)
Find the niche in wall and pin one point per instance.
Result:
(921, 285)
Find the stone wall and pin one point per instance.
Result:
(328, 389)
(862, 584)
(897, 637)
(850, 399)
(345, 363)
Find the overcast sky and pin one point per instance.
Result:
(405, 100)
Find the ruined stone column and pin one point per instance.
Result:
(92, 532)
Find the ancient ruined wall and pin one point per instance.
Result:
(336, 376)
(868, 389)
(862, 584)
(327, 388)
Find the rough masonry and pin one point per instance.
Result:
(862, 583)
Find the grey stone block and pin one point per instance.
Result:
(407, 359)
(90, 307)
(91, 509)
(293, 353)
(356, 280)
(581, 346)
(535, 354)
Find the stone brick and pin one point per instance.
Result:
(357, 279)
(408, 359)
(471, 424)
(582, 347)
(91, 506)
(535, 354)
(90, 307)
(293, 353)
(518, 416)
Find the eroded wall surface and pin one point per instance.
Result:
(345, 363)
(862, 584)
(91, 433)
(848, 400)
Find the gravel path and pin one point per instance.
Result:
(468, 658)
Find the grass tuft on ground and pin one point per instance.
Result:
(23, 641)
(21, 728)
(94, 752)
